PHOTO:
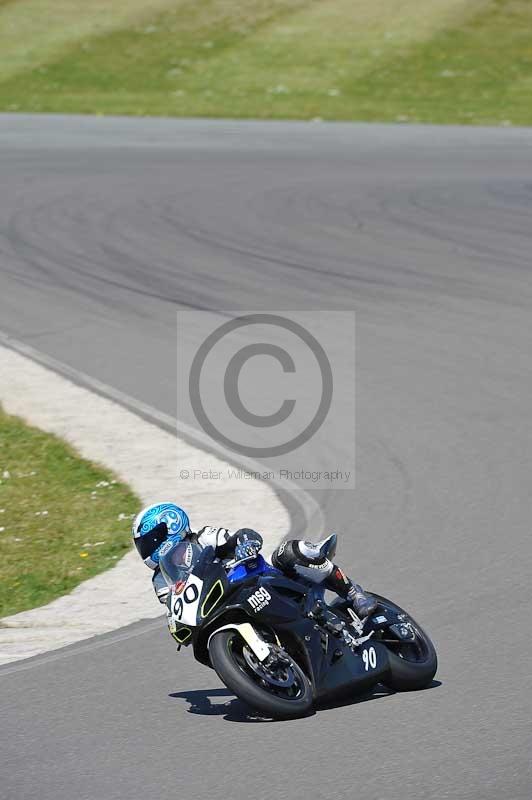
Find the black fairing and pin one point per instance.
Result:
(278, 605)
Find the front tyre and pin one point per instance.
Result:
(278, 689)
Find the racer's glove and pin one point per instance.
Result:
(248, 544)
(247, 550)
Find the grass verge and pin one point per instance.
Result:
(62, 519)
(460, 61)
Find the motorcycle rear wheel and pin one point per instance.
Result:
(282, 692)
(412, 666)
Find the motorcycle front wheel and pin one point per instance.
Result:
(279, 689)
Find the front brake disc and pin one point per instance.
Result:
(265, 672)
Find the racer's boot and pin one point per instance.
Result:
(363, 604)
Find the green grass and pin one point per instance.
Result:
(461, 61)
(62, 519)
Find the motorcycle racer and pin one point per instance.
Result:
(158, 527)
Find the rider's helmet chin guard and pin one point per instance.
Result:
(154, 525)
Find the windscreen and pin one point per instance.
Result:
(177, 562)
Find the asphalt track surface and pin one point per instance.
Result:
(106, 226)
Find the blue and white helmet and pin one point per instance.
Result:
(155, 525)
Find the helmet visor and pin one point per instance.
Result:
(148, 543)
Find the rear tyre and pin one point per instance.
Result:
(412, 664)
(281, 691)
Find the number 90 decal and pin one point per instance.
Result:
(190, 595)
(369, 657)
(185, 606)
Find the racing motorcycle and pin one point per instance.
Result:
(277, 644)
